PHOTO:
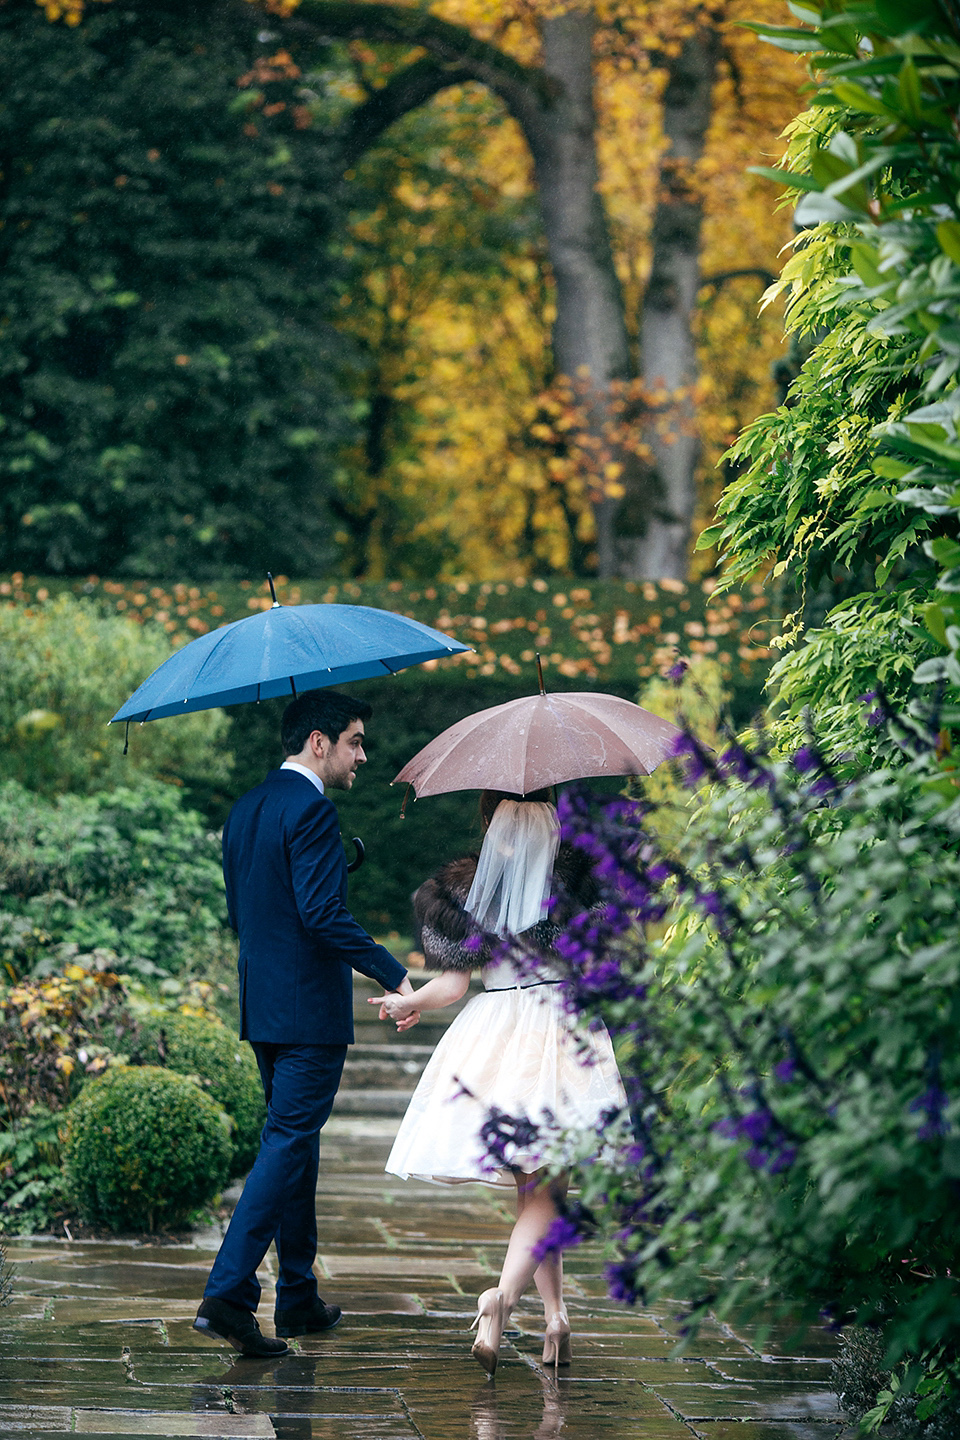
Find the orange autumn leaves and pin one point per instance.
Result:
(597, 632)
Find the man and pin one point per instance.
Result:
(286, 881)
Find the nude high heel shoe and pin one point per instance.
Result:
(489, 1328)
(556, 1342)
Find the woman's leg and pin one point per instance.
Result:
(537, 1200)
(548, 1276)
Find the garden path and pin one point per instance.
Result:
(98, 1338)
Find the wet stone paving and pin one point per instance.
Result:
(98, 1339)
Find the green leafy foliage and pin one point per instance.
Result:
(54, 1033)
(32, 1192)
(168, 392)
(807, 500)
(222, 1066)
(145, 1149)
(67, 668)
(872, 642)
(128, 872)
(860, 474)
(697, 700)
(787, 1048)
(907, 1402)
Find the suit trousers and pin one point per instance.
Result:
(278, 1203)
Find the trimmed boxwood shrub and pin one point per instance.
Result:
(145, 1148)
(222, 1065)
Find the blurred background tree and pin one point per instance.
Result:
(614, 138)
(168, 401)
(546, 313)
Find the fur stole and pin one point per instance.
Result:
(444, 925)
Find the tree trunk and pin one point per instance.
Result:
(554, 107)
(658, 546)
(589, 334)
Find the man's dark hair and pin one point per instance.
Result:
(324, 710)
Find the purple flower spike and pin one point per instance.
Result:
(931, 1104)
(710, 903)
(806, 759)
(768, 1149)
(562, 1235)
(696, 759)
(677, 671)
(622, 1281)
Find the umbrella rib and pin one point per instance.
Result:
(216, 637)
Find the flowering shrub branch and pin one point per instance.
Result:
(782, 994)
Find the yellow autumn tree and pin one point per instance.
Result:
(488, 466)
(547, 399)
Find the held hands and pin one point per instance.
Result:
(399, 1005)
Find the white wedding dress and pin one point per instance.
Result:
(515, 1048)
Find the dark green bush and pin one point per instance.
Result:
(67, 667)
(169, 380)
(221, 1065)
(129, 871)
(144, 1149)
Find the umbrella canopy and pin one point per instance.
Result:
(284, 651)
(541, 740)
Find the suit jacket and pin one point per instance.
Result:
(286, 879)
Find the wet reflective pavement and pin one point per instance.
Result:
(98, 1338)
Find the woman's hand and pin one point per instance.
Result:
(401, 1008)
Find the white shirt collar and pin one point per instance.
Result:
(302, 770)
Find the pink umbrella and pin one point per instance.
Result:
(541, 740)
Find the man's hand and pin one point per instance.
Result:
(397, 1005)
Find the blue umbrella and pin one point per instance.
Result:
(284, 651)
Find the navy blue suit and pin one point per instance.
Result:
(286, 880)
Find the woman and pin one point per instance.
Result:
(512, 1047)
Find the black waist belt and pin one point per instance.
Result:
(502, 989)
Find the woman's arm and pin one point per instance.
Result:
(442, 990)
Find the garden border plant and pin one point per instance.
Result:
(794, 1092)
(145, 1149)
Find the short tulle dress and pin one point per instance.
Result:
(513, 1047)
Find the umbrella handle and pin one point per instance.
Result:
(360, 856)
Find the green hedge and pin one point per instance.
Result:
(67, 667)
(612, 636)
(145, 1149)
(223, 1066)
(130, 871)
